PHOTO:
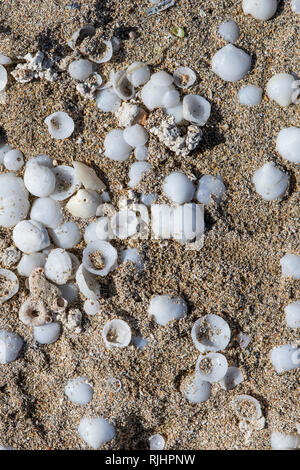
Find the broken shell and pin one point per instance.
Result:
(194, 389)
(138, 74)
(9, 285)
(66, 235)
(3, 77)
(104, 254)
(29, 262)
(210, 333)
(39, 180)
(116, 333)
(60, 125)
(47, 334)
(246, 407)
(196, 109)
(211, 367)
(87, 177)
(84, 204)
(30, 236)
(97, 50)
(66, 182)
(46, 211)
(232, 378)
(80, 34)
(34, 313)
(122, 86)
(209, 186)
(10, 346)
(87, 283)
(59, 267)
(184, 77)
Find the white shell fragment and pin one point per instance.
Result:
(66, 182)
(135, 135)
(10, 346)
(39, 180)
(210, 333)
(59, 266)
(295, 5)
(211, 367)
(66, 235)
(30, 236)
(246, 407)
(91, 307)
(231, 64)
(292, 314)
(96, 431)
(122, 86)
(60, 125)
(285, 358)
(3, 77)
(79, 391)
(29, 262)
(80, 69)
(141, 153)
(5, 60)
(84, 204)
(281, 88)
(178, 188)
(156, 442)
(270, 182)
(138, 74)
(184, 77)
(260, 9)
(232, 378)
(210, 186)
(164, 309)
(13, 160)
(194, 389)
(136, 172)
(283, 441)
(229, 31)
(290, 265)
(107, 100)
(87, 283)
(14, 204)
(196, 109)
(9, 285)
(288, 144)
(116, 148)
(171, 99)
(46, 211)
(250, 95)
(99, 253)
(116, 333)
(47, 334)
(87, 177)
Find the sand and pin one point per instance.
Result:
(236, 274)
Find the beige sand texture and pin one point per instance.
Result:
(236, 274)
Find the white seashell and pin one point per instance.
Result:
(81, 33)
(10, 346)
(132, 255)
(232, 378)
(211, 367)
(107, 100)
(90, 234)
(165, 309)
(178, 188)
(87, 177)
(136, 172)
(79, 391)
(42, 160)
(80, 69)
(210, 333)
(96, 431)
(241, 405)
(260, 10)
(229, 31)
(84, 204)
(4, 148)
(250, 95)
(162, 79)
(46, 211)
(124, 223)
(116, 333)
(285, 358)
(29, 262)
(270, 182)
(47, 334)
(292, 314)
(209, 186)
(4, 60)
(196, 109)
(122, 86)
(195, 390)
(116, 148)
(176, 112)
(91, 307)
(152, 95)
(58, 267)
(66, 235)
(283, 441)
(138, 74)
(60, 125)
(107, 255)
(184, 77)
(188, 222)
(69, 292)
(281, 88)
(295, 5)
(135, 135)
(87, 283)
(103, 229)
(141, 153)
(230, 63)
(156, 442)
(290, 265)
(288, 144)
(107, 54)
(39, 180)
(9, 285)
(3, 78)
(13, 207)
(171, 99)
(13, 160)
(66, 182)
(30, 236)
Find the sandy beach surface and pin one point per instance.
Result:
(236, 274)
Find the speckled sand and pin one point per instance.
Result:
(237, 273)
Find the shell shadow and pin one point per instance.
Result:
(133, 435)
